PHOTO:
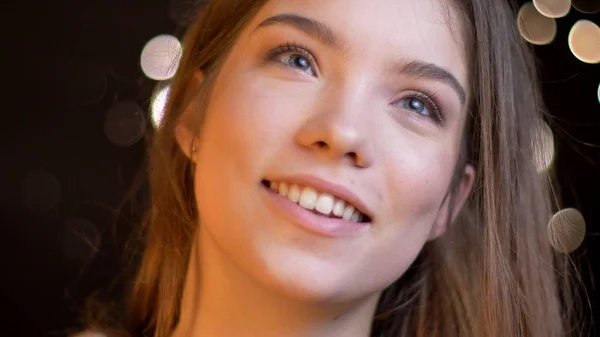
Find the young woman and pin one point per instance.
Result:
(350, 168)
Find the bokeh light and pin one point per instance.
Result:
(159, 101)
(81, 240)
(598, 93)
(584, 41)
(587, 6)
(566, 230)
(40, 191)
(160, 57)
(543, 144)
(534, 27)
(125, 123)
(553, 8)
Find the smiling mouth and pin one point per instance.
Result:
(322, 204)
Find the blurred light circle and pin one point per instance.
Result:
(553, 8)
(534, 27)
(81, 240)
(566, 230)
(543, 144)
(160, 57)
(584, 41)
(40, 191)
(159, 103)
(599, 93)
(587, 6)
(125, 124)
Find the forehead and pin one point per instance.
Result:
(387, 30)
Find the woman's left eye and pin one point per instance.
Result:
(423, 106)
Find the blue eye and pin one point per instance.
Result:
(423, 105)
(416, 105)
(293, 56)
(300, 62)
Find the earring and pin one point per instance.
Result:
(193, 147)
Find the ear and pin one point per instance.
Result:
(462, 192)
(185, 130)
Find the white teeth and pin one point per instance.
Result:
(283, 189)
(324, 203)
(308, 198)
(348, 211)
(294, 193)
(338, 208)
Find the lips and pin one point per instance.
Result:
(321, 203)
(311, 220)
(320, 187)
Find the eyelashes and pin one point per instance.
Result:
(430, 102)
(292, 49)
(300, 58)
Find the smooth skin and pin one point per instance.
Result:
(374, 102)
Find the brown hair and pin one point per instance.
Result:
(492, 274)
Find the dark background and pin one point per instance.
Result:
(67, 62)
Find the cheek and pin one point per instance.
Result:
(249, 123)
(418, 175)
(245, 129)
(252, 119)
(416, 181)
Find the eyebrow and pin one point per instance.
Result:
(328, 37)
(430, 71)
(313, 28)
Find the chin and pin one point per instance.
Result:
(309, 277)
(309, 291)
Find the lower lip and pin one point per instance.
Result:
(330, 227)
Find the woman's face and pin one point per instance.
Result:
(360, 102)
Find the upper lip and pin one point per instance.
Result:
(325, 186)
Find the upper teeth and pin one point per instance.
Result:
(308, 197)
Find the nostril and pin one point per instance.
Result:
(352, 155)
(321, 144)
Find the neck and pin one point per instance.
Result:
(220, 300)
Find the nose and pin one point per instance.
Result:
(339, 129)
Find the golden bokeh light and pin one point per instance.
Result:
(553, 8)
(587, 6)
(584, 41)
(534, 27)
